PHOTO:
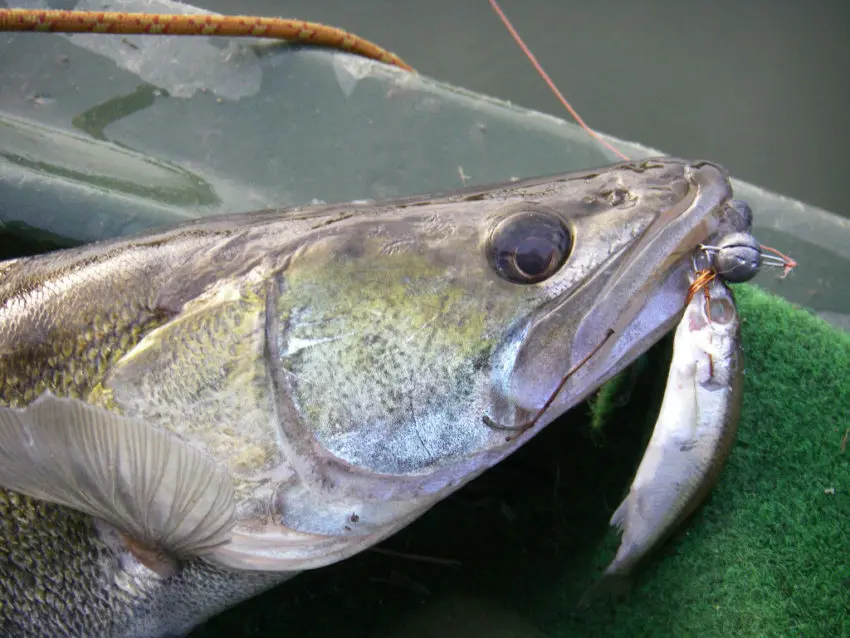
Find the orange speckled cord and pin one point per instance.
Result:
(194, 24)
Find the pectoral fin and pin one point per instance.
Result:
(154, 487)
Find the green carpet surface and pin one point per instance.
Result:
(768, 555)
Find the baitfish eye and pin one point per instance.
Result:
(529, 246)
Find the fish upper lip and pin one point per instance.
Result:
(709, 194)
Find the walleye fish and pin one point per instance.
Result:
(691, 439)
(191, 416)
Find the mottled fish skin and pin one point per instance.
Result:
(692, 437)
(336, 360)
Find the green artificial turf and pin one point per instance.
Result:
(769, 554)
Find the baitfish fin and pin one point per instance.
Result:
(166, 498)
(618, 518)
(613, 586)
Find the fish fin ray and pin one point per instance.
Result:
(146, 482)
(621, 515)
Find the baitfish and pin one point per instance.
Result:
(695, 429)
(191, 416)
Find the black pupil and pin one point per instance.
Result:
(529, 247)
(533, 255)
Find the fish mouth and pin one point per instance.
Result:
(636, 304)
(638, 294)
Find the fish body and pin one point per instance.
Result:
(692, 437)
(191, 416)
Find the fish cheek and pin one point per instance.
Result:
(387, 361)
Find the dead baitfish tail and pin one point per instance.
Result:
(692, 437)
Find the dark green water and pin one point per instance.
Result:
(762, 86)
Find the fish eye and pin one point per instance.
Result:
(529, 246)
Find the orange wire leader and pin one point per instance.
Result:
(707, 275)
(194, 24)
(700, 282)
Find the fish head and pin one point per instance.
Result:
(392, 332)
(395, 334)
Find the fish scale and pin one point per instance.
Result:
(37, 535)
(73, 363)
(211, 403)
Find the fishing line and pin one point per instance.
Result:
(519, 429)
(300, 31)
(786, 263)
(550, 83)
